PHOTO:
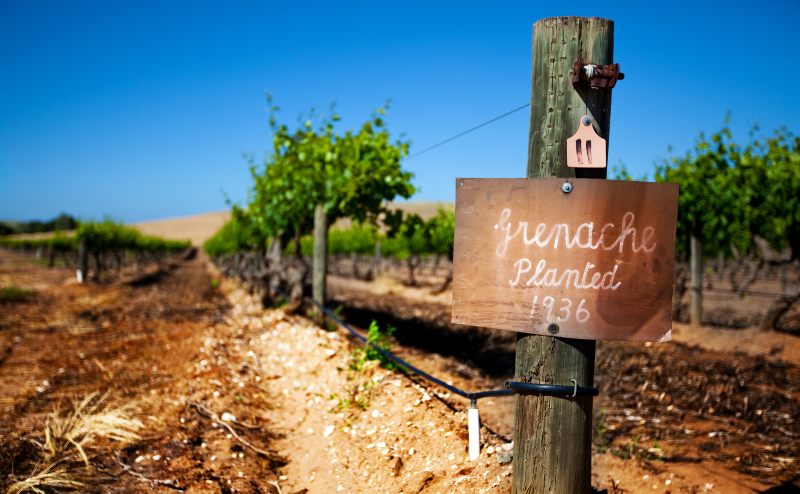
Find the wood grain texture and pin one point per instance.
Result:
(597, 261)
(552, 436)
(556, 107)
(696, 271)
(319, 267)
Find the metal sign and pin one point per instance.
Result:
(576, 258)
(586, 149)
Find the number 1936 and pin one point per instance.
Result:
(561, 308)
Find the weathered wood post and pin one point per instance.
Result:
(696, 273)
(552, 435)
(377, 259)
(319, 266)
(83, 260)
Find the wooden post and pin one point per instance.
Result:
(319, 268)
(83, 260)
(696, 272)
(552, 435)
(377, 260)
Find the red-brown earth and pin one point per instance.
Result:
(238, 398)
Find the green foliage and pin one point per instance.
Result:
(441, 231)
(363, 361)
(771, 166)
(352, 175)
(63, 243)
(729, 194)
(396, 247)
(238, 234)
(410, 236)
(60, 242)
(704, 203)
(108, 236)
(101, 237)
(378, 339)
(59, 223)
(359, 239)
(13, 293)
(306, 247)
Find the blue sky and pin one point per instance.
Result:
(143, 110)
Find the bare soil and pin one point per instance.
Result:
(715, 410)
(238, 398)
(152, 344)
(235, 398)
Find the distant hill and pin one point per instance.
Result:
(426, 209)
(198, 228)
(61, 222)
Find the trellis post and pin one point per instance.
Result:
(552, 435)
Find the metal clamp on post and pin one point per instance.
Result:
(521, 388)
(595, 76)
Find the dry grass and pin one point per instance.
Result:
(70, 440)
(90, 420)
(53, 476)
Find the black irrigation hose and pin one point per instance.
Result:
(513, 387)
(472, 396)
(550, 389)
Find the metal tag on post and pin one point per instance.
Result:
(586, 149)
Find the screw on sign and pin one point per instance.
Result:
(595, 263)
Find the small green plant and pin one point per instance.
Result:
(654, 453)
(600, 441)
(628, 450)
(357, 394)
(376, 339)
(363, 363)
(13, 293)
(331, 325)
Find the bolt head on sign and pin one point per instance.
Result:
(586, 149)
(597, 262)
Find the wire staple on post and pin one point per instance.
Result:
(550, 389)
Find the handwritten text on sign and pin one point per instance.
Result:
(597, 261)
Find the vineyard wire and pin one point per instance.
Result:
(472, 129)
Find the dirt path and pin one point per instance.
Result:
(366, 431)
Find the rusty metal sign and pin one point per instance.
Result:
(575, 258)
